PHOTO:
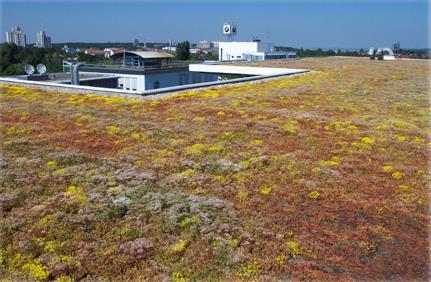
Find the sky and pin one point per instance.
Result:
(309, 23)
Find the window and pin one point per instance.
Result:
(134, 83)
(156, 84)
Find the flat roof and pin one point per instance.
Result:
(61, 77)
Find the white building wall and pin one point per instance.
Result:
(232, 51)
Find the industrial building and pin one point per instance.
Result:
(250, 51)
(247, 50)
(16, 36)
(42, 40)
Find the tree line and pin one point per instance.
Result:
(13, 58)
(301, 52)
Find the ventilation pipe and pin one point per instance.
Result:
(75, 73)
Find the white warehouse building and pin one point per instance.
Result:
(250, 51)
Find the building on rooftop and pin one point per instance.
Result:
(16, 36)
(146, 70)
(142, 58)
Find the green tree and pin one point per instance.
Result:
(13, 58)
(8, 56)
(183, 50)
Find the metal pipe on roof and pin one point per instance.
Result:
(75, 73)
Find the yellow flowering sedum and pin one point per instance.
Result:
(397, 175)
(316, 170)
(387, 168)
(293, 248)
(291, 128)
(314, 195)
(256, 142)
(36, 271)
(75, 192)
(113, 130)
(368, 140)
(180, 246)
(401, 138)
(178, 277)
(404, 187)
(265, 190)
(242, 195)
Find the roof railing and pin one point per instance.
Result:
(121, 66)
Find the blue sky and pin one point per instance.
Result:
(308, 24)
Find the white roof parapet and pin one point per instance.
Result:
(211, 68)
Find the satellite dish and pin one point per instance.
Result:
(41, 69)
(29, 69)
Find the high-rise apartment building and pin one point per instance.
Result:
(16, 36)
(43, 41)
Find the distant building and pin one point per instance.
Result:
(250, 51)
(205, 45)
(96, 52)
(69, 50)
(396, 47)
(111, 51)
(136, 43)
(16, 36)
(170, 48)
(43, 41)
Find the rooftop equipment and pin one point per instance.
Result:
(41, 68)
(75, 73)
(29, 69)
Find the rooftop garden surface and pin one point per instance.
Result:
(321, 176)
